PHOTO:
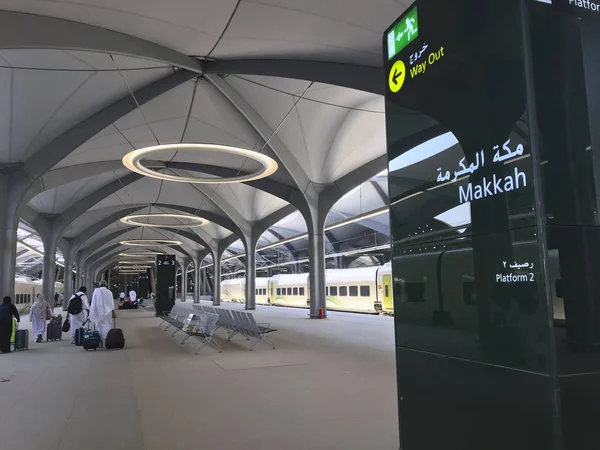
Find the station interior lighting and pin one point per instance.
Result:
(138, 262)
(143, 254)
(133, 162)
(195, 221)
(150, 242)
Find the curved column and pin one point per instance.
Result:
(250, 244)
(184, 280)
(80, 270)
(217, 278)
(49, 270)
(8, 237)
(68, 282)
(198, 258)
(316, 256)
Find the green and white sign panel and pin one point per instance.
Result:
(403, 33)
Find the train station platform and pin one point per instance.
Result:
(328, 385)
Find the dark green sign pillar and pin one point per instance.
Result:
(493, 132)
(144, 285)
(165, 283)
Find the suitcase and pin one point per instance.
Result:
(114, 338)
(21, 340)
(79, 332)
(91, 340)
(54, 329)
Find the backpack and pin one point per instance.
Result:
(75, 305)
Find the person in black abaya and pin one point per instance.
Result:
(7, 312)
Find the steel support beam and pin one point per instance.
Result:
(29, 31)
(354, 76)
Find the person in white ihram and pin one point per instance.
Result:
(132, 296)
(78, 319)
(102, 309)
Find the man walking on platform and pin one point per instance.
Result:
(78, 304)
(102, 309)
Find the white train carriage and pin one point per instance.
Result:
(353, 290)
(363, 289)
(262, 291)
(27, 289)
(385, 289)
(235, 290)
(289, 290)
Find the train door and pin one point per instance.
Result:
(388, 300)
(271, 292)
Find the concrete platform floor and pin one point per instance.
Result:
(329, 385)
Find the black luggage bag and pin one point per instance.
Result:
(79, 332)
(91, 340)
(21, 340)
(115, 338)
(54, 329)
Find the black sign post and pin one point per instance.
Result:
(144, 285)
(165, 283)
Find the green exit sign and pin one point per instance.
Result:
(403, 33)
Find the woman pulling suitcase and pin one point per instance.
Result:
(40, 312)
(7, 312)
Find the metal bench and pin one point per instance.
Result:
(238, 322)
(202, 326)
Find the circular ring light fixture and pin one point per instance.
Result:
(124, 262)
(196, 221)
(133, 159)
(150, 242)
(139, 254)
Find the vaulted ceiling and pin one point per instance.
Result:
(86, 82)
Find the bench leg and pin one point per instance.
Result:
(215, 344)
(175, 332)
(187, 336)
(202, 344)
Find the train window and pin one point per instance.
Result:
(353, 291)
(365, 291)
(295, 291)
(301, 291)
(343, 291)
(415, 292)
(333, 291)
(265, 291)
(289, 291)
(278, 291)
(469, 295)
(386, 290)
(257, 291)
(326, 290)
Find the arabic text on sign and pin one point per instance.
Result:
(421, 68)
